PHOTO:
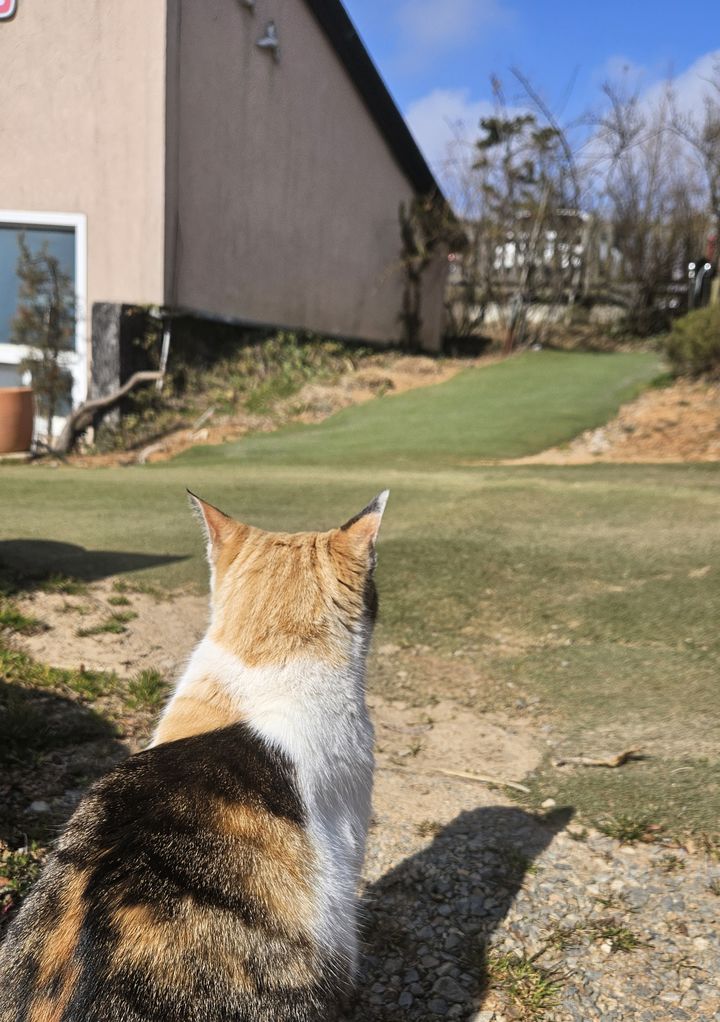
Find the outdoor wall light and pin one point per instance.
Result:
(270, 40)
(250, 4)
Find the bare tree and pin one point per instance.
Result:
(701, 131)
(428, 227)
(469, 289)
(520, 199)
(649, 196)
(615, 202)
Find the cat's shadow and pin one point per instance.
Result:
(427, 922)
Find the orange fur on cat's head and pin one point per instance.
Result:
(277, 596)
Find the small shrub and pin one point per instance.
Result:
(693, 345)
(253, 373)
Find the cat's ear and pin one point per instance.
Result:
(363, 529)
(217, 525)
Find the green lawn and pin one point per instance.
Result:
(516, 407)
(593, 589)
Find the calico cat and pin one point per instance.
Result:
(212, 877)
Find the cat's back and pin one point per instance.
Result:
(213, 877)
(183, 890)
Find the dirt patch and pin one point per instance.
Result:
(449, 737)
(377, 375)
(424, 754)
(113, 627)
(680, 423)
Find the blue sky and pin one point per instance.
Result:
(437, 55)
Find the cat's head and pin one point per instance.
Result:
(278, 596)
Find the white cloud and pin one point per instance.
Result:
(443, 117)
(691, 86)
(430, 28)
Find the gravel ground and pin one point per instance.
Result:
(504, 916)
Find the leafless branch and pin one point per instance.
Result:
(84, 416)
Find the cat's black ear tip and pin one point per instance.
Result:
(375, 511)
(377, 506)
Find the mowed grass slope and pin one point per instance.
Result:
(516, 407)
(594, 590)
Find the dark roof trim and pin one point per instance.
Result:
(334, 21)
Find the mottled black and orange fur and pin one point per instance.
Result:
(142, 915)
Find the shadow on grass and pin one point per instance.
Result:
(443, 904)
(50, 748)
(31, 560)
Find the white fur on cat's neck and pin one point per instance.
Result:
(316, 715)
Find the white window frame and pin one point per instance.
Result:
(77, 360)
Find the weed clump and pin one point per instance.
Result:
(628, 829)
(116, 624)
(619, 938)
(533, 989)
(19, 668)
(18, 872)
(147, 690)
(12, 619)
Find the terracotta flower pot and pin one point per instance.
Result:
(16, 419)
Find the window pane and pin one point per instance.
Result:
(60, 243)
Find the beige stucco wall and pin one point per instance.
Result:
(211, 177)
(82, 131)
(282, 201)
